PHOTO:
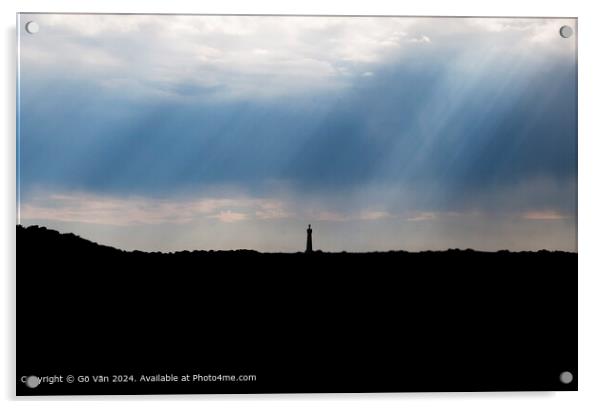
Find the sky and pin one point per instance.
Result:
(167, 133)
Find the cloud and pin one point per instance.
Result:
(244, 56)
(182, 102)
(423, 216)
(420, 39)
(351, 216)
(329, 216)
(137, 210)
(270, 210)
(151, 55)
(374, 215)
(229, 216)
(544, 215)
(81, 207)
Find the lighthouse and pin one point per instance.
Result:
(308, 247)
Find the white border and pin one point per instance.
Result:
(590, 203)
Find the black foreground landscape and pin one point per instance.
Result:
(320, 322)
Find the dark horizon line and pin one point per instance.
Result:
(318, 251)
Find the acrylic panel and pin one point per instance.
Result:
(291, 204)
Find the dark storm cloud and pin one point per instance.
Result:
(405, 124)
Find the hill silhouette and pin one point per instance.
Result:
(321, 322)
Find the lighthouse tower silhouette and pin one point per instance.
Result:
(308, 247)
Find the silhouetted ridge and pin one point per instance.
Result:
(318, 322)
(41, 235)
